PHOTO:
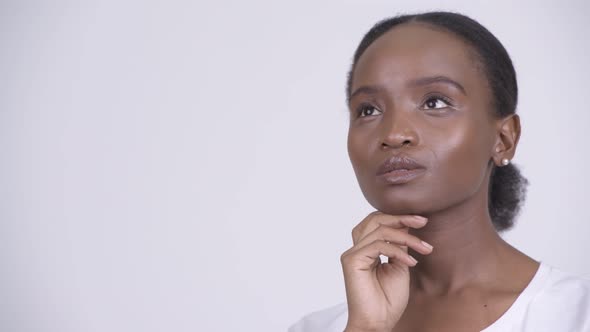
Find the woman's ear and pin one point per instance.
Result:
(508, 129)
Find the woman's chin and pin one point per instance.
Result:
(398, 202)
(400, 208)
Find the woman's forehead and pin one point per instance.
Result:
(414, 50)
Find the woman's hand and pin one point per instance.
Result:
(377, 293)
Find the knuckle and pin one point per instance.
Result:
(355, 232)
(373, 216)
(388, 231)
(344, 257)
(379, 243)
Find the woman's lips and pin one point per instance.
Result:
(399, 176)
(399, 169)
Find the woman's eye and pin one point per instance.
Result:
(436, 103)
(367, 110)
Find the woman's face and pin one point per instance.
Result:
(418, 93)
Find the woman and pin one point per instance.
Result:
(433, 128)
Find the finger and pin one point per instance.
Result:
(398, 237)
(377, 218)
(368, 256)
(400, 221)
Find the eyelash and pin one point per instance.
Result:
(364, 106)
(439, 97)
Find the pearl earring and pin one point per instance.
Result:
(505, 161)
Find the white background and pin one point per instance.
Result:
(182, 166)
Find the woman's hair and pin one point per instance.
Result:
(507, 188)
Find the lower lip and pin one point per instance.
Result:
(401, 176)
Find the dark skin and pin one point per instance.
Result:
(472, 276)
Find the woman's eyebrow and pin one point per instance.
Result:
(437, 79)
(366, 89)
(374, 89)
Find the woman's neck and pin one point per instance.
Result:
(467, 249)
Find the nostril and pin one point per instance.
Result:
(404, 143)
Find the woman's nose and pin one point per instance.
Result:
(398, 131)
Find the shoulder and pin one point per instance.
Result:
(559, 301)
(331, 319)
(565, 287)
(563, 300)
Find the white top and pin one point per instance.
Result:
(552, 301)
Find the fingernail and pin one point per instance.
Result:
(413, 259)
(421, 218)
(427, 245)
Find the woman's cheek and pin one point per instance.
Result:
(462, 161)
